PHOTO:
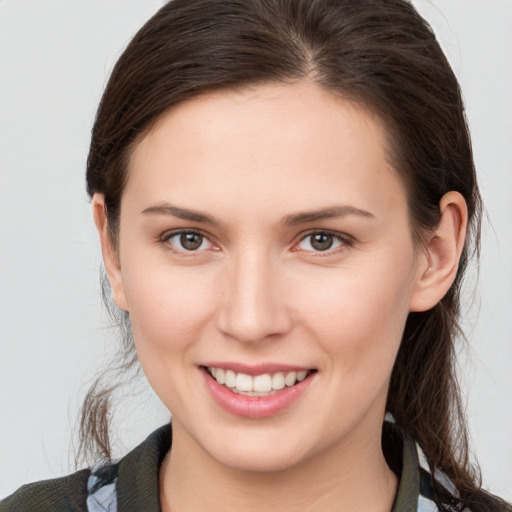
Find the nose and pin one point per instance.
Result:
(254, 300)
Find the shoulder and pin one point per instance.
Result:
(421, 487)
(128, 484)
(64, 494)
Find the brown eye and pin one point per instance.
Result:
(188, 241)
(321, 241)
(191, 241)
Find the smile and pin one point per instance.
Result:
(267, 392)
(257, 385)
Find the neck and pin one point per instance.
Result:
(352, 478)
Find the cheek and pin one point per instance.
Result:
(358, 314)
(168, 306)
(169, 312)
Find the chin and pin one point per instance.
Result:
(259, 460)
(259, 450)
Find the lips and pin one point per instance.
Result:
(256, 392)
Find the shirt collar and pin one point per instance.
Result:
(136, 486)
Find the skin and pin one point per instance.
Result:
(256, 291)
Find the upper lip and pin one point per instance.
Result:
(257, 369)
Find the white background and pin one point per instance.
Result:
(55, 56)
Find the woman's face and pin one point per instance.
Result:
(264, 238)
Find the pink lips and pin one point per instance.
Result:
(255, 406)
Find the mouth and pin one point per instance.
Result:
(262, 385)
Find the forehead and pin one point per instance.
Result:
(289, 144)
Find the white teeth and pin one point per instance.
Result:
(290, 378)
(300, 375)
(220, 375)
(260, 385)
(278, 380)
(243, 382)
(230, 378)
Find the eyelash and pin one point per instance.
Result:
(166, 239)
(344, 240)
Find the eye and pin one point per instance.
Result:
(188, 241)
(322, 242)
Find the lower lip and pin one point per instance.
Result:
(255, 406)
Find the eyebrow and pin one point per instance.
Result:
(180, 213)
(324, 214)
(290, 220)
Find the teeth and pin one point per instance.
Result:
(290, 378)
(243, 382)
(230, 378)
(300, 375)
(220, 376)
(278, 381)
(260, 385)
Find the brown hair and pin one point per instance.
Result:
(380, 53)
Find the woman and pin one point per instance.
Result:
(286, 201)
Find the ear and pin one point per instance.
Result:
(110, 256)
(439, 263)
